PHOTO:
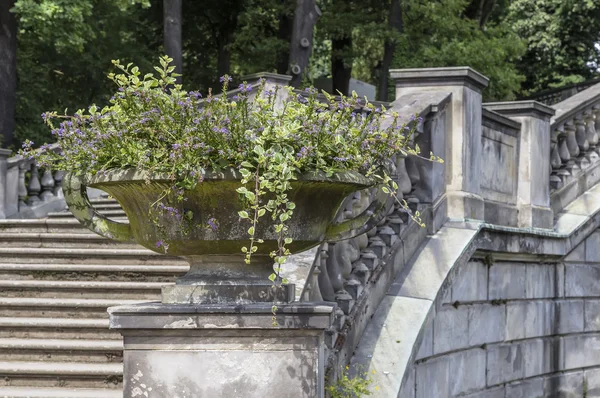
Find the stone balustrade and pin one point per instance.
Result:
(26, 190)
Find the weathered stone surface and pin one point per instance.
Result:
(533, 388)
(592, 315)
(497, 392)
(581, 280)
(426, 348)
(487, 324)
(577, 254)
(568, 385)
(569, 316)
(507, 281)
(450, 329)
(581, 351)
(592, 382)
(592, 247)
(509, 362)
(466, 371)
(540, 281)
(560, 280)
(432, 378)
(471, 282)
(525, 319)
(407, 390)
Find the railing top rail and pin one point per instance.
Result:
(570, 107)
(18, 159)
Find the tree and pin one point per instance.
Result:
(395, 24)
(172, 29)
(301, 42)
(8, 72)
(561, 37)
(448, 33)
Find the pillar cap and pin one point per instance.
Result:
(447, 76)
(5, 153)
(272, 77)
(522, 108)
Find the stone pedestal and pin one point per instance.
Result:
(4, 154)
(229, 351)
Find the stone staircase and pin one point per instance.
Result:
(56, 281)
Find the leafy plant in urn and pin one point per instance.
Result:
(234, 182)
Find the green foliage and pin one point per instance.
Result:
(351, 387)
(152, 124)
(438, 34)
(64, 55)
(561, 38)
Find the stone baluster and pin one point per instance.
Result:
(564, 154)
(22, 187)
(34, 187)
(403, 181)
(58, 178)
(555, 162)
(582, 142)
(572, 146)
(312, 291)
(592, 135)
(47, 185)
(325, 286)
(596, 112)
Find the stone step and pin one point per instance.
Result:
(43, 225)
(72, 308)
(110, 213)
(96, 272)
(80, 289)
(61, 374)
(58, 240)
(41, 392)
(67, 255)
(56, 328)
(61, 350)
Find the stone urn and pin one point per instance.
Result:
(207, 231)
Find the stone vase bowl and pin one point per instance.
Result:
(208, 232)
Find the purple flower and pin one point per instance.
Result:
(302, 153)
(225, 77)
(176, 146)
(160, 243)
(213, 224)
(45, 116)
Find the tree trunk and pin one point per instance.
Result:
(480, 10)
(8, 72)
(172, 33)
(305, 18)
(396, 25)
(224, 55)
(341, 65)
(286, 24)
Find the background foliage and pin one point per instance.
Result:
(64, 47)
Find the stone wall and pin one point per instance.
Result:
(525, 328)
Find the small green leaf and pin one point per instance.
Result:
(261, 212)
(251, 231)
(243, 214)
(272, 277)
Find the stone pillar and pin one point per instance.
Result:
(183, 350)
(463, 149)
(4, 194)
(533, 187)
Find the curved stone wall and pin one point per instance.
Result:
(514, 329)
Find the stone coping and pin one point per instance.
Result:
(568, 108)
(521, 108)
(392, 338)
(446, 76)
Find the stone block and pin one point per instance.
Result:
(540, 281)
(577, 254)
(581, 351)
(507, 281)
(471, 282)
(532, 388)
(426, 347)
(432, 378)
(581, 280)
(592, 315)
(525, 319)
(592, 245)
(592, 382)
(569, 316)
(514, 361)
(487, 323)
(568, 385)
(450, 329)
(560, 280)
(466, 371)
(552, 355)
(497, 392)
